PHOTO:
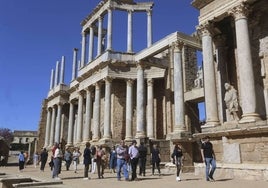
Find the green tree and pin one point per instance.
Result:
(7, 134)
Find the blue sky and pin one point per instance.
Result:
(34, 34)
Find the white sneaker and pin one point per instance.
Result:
(178, 178)
(57, 178)
(86, 178)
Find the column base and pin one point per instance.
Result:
(250, 118)
(140, 135)
(180, 135)
(128, 139)
(210, 124)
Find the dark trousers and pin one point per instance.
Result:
(42, 166)
(86, 170)
(100, 168)
(21, 165)
(134, 164)
(157, 165)
(142, 166)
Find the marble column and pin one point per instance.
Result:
(129, 32)
(70, 125)
(140, 131)
(149, 28)
(96, 113)
(129, 110)
(51, 79)
(74, 68)
(179, 125)
(245, 65)
(99, 36)
(48, 127)
(56, 81)
(52, 129)
(58, 124)
(62, 70)
(150, 108)
(83, 50)
(79, 118)
(212, 117)
(107, 109)
(91, 43)
(109, 29)
(87, 126)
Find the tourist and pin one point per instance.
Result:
(142, 161)
(57, 157)
(26, 158)
(93, 159)
(35, 159)
(112, 161)
(177, 157)
(43, 159)
(21, 161)
(208, 157)
(100, 161)
(134, 159)
(76, 155)
(156, 159)
(121, 162)
(87, 160)
(68, 158)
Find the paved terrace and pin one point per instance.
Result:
(71, 179)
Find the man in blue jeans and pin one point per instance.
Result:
(208, 156)
(122, 151)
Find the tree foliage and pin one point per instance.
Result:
(7, 134)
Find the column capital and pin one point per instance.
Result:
(150, 82)
(100, 18)
(130, 82)
(83, 33)
(177, 45)
(140, 65)
(108, 79)
(149, 12)
(205, 29)
(75, 49)
(240, 12)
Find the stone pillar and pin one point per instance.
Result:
(149, 28)
(51, 79)
(74, 68)
(87, 126)
(52, 129)
(129, 110)
(79, 118)
(96, 113)
(99, 36)
(70, 125)
(179, 125)
(245, 67)
(48, 127)
(150, 108)
(83, 50)
(109, 29)
(56, 81)
(62, 70)
(58, 124)
(212, 118)
(107, 109)
(140, 131)
(91, 43)
(129, 32)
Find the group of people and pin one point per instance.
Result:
(122, 160)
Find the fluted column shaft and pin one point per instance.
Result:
(56, 81)
(71, 125)
(52, 129)
(58, 124)
(129, 110)
(91, 44)
(107, 109)
(51, 79)
(109, 29)
(149, 28)
(87, 126)
(79, 118)
(129, 32)
(48, 127)
(74, 68)
(99, 36)
(62, 70)
(83, 50)
(150, 108)
(96, 113)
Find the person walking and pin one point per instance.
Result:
(76, 155)
(121, 162)
(100, 161)
(134, 159)
(156, 159)
(177, 157)
(21, 161)
(93, 159)
(35, 159)
(87, 160)
(142, 161)
(209, 158)
(43, 159)
(112, 161)
(57, 157)
(68, 158)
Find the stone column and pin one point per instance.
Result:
(79, 118)
(129, 110)
(99, 36)
(87, 126)
(51, 79)
(150, 108)
(83, 50)
(48, 127)
(149, 28)
(245, 67)
(91, 43)
(96, 113)
(52, 129)
(140, 131)
(70, 125)
(109, 29)
(129, 32)
(56, 81)
(58, 124)
(107, 109)
(209, 77)
(62, 70)
(179, 125)
(74, 68)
